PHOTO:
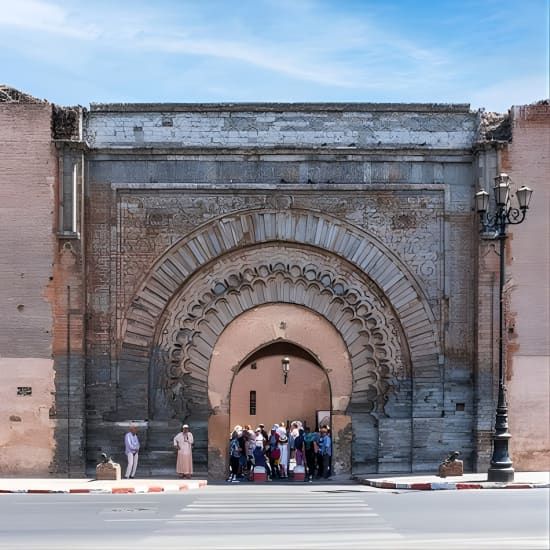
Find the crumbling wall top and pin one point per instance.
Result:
(494, 126)
(12, 95)
(280, 107)
(66, 123)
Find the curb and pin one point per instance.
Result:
(449, 485)
(175, 488)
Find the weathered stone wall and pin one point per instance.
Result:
(527, 160)
(289, 125)
(402, 175)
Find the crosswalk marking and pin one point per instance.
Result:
(248, 515)
(264, 506)
(312, 520)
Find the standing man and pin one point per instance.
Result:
(326, 451)
(184, 444)
(311, 457)
(131, 444)
(264, 433)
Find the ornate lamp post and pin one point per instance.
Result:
(285, 363)
(495, 221)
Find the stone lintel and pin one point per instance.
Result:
(463, 108)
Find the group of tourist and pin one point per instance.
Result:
(249, 448)
(273, 451)
(183, 444)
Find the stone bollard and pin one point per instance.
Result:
(259, 474)
(299, 473)
(454, 468)
(109, 471)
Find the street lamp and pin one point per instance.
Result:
(495, 222)
(285, 363)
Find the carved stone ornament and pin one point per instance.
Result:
(239, 281)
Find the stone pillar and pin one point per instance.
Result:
(341, 442)
(487, 303)
(218, 445)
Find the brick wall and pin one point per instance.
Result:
(527, 160)
(28, 166)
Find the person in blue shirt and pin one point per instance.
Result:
(325, 448)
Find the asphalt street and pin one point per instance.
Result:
(245, 516)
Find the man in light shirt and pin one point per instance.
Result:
(325, 447)
(131, 444)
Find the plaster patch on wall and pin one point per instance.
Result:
(26, 431)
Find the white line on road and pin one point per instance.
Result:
(305, 515)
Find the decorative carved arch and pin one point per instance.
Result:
(195, 319)
(253, 228)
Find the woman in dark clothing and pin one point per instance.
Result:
(236, 448)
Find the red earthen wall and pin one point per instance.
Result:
(28, 172)
(527, 160)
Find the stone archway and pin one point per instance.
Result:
(186, 336)
(237, 263)
(254, 329)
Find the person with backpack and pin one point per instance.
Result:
(283, 456)
(299, 447)
(262, 443)
(309, 447)
(274, 452)
(235, 453)
(293, 435)
(318, 444)
(250, 444)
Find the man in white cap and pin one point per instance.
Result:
(131, 444)
(184, 444)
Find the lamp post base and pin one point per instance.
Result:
(500, 475)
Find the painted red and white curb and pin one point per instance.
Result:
(167, 488)
(449, 485)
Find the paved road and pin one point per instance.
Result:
(241, 517)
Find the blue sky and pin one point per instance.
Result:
(490, 53)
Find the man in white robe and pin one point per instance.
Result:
(184, 444)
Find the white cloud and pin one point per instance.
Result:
(37, 15)
(303, 41)
(261, 56)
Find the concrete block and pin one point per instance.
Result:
(107, 471)
(454, 468)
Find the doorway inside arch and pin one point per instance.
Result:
(262, 394)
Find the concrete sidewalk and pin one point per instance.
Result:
(424, 482)
(85, 485)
